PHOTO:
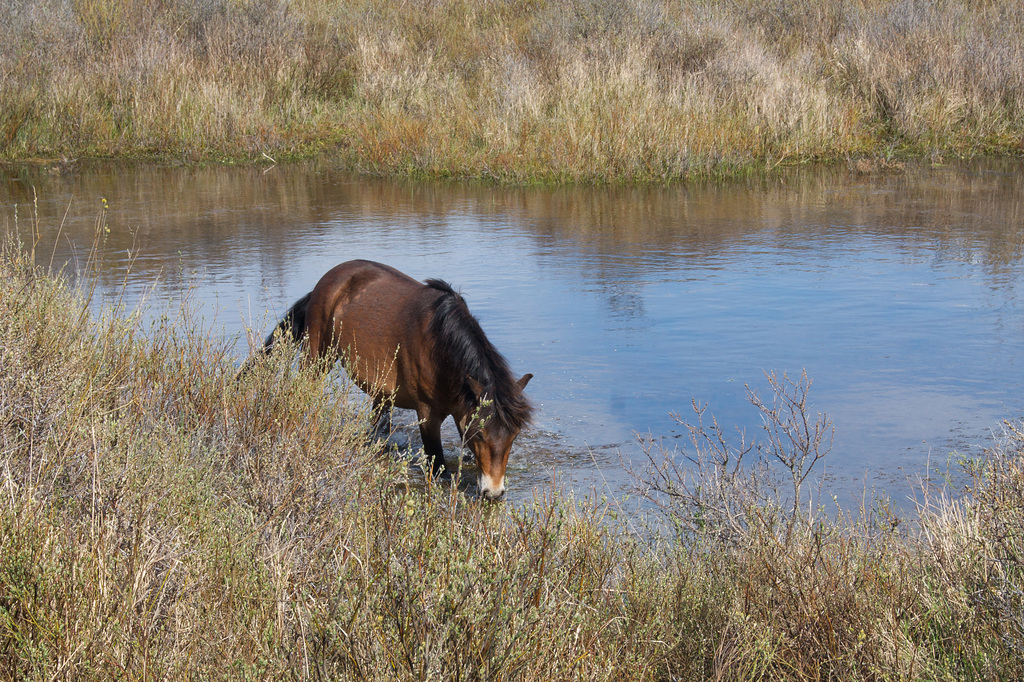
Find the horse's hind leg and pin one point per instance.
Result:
(430, 433)
(383, 427)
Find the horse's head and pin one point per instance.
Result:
(490, 440)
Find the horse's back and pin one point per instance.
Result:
(376, 317)
(358, 277)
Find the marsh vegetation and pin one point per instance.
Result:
(516, 90)
(159, 519)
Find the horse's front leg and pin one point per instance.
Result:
(430, 433)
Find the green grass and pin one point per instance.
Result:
(514, 90)
(159, 519)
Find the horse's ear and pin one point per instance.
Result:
(524, 380)
(475, 386)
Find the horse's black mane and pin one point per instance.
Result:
(460, 343)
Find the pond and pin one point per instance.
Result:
(900, 293)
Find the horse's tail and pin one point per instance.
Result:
(293, 324)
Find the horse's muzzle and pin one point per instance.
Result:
(490, 490)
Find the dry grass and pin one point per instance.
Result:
(159, 519)
(517, 90)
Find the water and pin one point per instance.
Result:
(900, 294)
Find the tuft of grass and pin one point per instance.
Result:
(517, 91)
(160, 518)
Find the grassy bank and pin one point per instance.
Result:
(517, 90)
(160, 520)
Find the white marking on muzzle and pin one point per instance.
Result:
(490, 488)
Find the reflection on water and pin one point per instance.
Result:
(900, 294)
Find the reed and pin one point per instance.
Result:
(516, 90)
(160, 519)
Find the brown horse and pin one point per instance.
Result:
(417, 347)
